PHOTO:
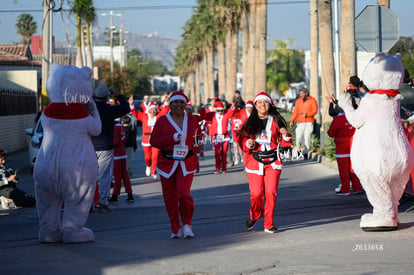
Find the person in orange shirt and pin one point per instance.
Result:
(304, 112)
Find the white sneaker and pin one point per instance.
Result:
(236, 162)
(188, 232)
(177, 235)
(154, 176)
(337, 189)
(148, 171)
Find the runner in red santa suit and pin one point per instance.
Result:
(176, 135)
(148, 120)
(144, 105)
(259, 138)
(218, 131)
(237, 120)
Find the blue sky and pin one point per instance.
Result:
(286, 19)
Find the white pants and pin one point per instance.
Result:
(304, 132)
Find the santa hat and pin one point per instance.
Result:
(146, 96)
(263, 96)
(152, 105)
(189, 106)
(249, 104)
(179, 95)
(219, 105)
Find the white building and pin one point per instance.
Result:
(104, 52)
(165, 83)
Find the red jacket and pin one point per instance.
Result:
(252, 165)
(163, 135)
(147, 123)
(237, 120)
(219, 123)
(342, 132)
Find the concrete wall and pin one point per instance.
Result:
(12, 127)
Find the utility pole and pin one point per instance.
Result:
(111, 36)
(46, 48)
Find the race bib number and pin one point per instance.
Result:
(264, 138)
(220, 138)
(180, 152)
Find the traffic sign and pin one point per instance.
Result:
(377, 28)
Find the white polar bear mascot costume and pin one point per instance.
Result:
(66, 168)
(381, 155)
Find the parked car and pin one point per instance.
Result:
(36, 137)
(286, 104)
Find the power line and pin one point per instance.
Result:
(161, 7)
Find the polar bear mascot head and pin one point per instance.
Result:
(384, 72)
(69, 84)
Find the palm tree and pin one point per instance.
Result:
(261, 49)
(251, 57)
(326, 48)
(89, 17)
(314, 53)
(26, 27)
(85, 16)
(244, 27)
(348, 50)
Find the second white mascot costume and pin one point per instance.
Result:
(381, 155)
(66, 168)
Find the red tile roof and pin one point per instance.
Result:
(16, 55)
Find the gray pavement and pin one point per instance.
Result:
(319, 232)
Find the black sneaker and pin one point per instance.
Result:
(103, 208)
(113, 199)
(130, 198)
(250, 224)
(271, 230)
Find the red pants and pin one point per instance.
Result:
(121, 175)
(263, 188)
(177, 198)
(220, 153)
(346, 175)
(151, 157)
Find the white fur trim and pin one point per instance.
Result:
(263, 97)
(178, 97)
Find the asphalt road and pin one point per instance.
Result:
(319, 231)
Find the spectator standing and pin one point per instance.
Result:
(131, 140)
(342, 132)
(176, 135)
(259, 138)
(305, 109)
(104, 143)
(120, 168)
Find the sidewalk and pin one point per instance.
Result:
(319, 232)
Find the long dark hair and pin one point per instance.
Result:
(253, 125)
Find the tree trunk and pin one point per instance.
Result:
(89, 47)
(261, 49)
(251, 92)
(198, 81)
(232, 72)
(326, 46)
(244, 26)
(221, 56)
(210, 71)
(314, 53)
(79, 36)
(348, 54)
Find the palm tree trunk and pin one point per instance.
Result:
(198, 81)
(261, 49)
(221, 57)
(89, 47)
(326, 46)
(79, 36)
(210, 71)
(232, 72)
(244, 26)
(314, 53)
(251, 55)
(348, 53)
